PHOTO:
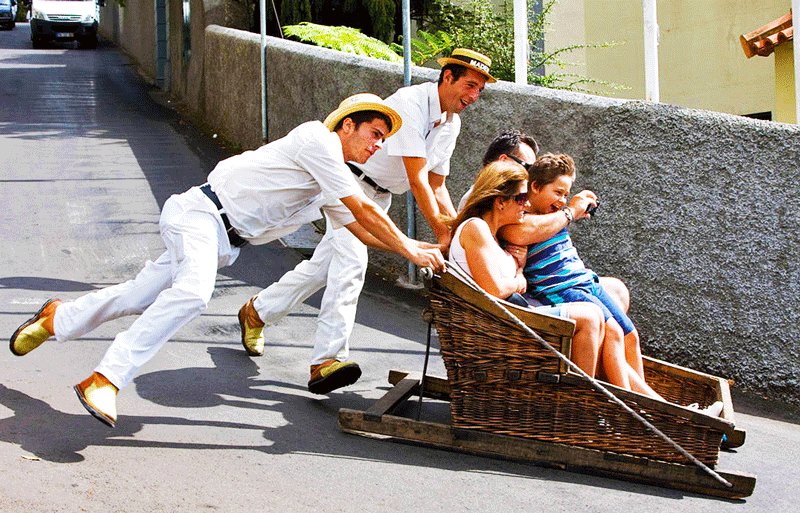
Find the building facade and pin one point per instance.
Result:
(701, 64)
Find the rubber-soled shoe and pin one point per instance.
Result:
(252, 329)
(32, 333)
(714, 409)
(332, 374)
(99, 396)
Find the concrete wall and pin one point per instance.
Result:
(232, 93)
(132, 27)
(696, 211)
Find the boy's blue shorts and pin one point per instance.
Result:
(592, 292)
(554, 310)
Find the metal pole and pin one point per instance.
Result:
(521, 41)
(411, 205)
(650, 50)
(796, 51)
(263, 19)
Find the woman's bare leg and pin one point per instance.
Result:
(638, 384)
(587, 340)
(615, 366)
(633, 352)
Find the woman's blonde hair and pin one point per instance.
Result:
(498, 179)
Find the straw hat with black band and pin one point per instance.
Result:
(469, 59)
(362, 102)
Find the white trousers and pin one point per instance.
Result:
(339, 263)
(168, 293)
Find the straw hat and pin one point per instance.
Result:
(469, 59)
(361, 102)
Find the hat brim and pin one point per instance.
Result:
(443, 61)
(339, 114)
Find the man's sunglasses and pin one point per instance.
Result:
(518, 160)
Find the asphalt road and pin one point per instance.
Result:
(87, 157)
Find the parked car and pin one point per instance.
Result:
(8, 13)
(65, 20)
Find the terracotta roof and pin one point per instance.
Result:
(763, 40)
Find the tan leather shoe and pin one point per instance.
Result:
(332, 374)
(252, 329)
(33, 332)
(99, 396)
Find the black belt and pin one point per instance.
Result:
(235, 239)
(367, 180)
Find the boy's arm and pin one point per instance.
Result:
(540, 227)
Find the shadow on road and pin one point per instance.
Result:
(48, 284)
(60, 437)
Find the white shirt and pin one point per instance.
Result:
(420, 136)
(507, 266)
(272, 191)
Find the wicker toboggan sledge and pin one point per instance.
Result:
(511, 397)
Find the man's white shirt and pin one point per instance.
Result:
(426, 133)
(272, 191)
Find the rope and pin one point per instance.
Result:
(428, 274)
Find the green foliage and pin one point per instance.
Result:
(375, 18)
(560, 79)
(479, 25)
(476, 25)
(426, 46)
(344, 39)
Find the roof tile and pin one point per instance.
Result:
(763, 40)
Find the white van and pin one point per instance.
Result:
(65, 20)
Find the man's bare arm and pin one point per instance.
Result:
(442, 194)
(375, 221)
(419, 180)
(370, 240)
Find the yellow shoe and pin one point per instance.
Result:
(252, 329)
(99, 396)
(33, 332)
(332, 374)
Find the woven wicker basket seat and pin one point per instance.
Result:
(504, 382)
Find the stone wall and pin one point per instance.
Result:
(133, 28)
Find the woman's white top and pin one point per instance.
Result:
(507, 265)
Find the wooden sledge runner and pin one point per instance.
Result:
(511, 398)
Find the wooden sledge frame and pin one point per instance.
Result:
(378, 422)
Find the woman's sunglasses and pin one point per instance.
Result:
(520, 198)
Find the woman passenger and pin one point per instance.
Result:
(499, 198)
